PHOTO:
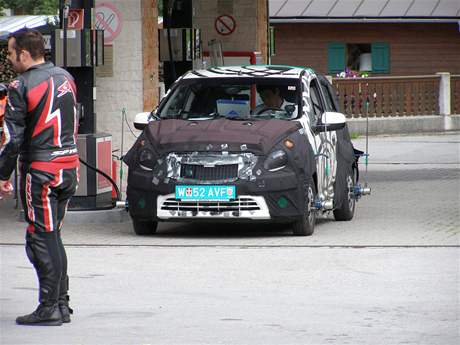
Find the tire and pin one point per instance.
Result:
(305, 225)
(144, 227)
(347, 208)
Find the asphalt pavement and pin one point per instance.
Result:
(390, 276)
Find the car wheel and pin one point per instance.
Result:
(144, 227)
(305, 225)
(347, 209)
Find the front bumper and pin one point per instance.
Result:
(257, 200)
(245, 206)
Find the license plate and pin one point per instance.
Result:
(205, 193)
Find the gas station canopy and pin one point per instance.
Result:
(362, 10)
(14, 23)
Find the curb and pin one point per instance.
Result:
(405, 124)
(115, 215)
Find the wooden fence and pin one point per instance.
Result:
(389, 96)
(455, 94)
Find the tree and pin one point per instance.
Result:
(160, 7)
(36, 7)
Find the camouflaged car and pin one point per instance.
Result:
(248, 143)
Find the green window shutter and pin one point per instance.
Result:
(380, 57)
(336, 57)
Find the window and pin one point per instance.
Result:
(359, 57)
(317, 106)
(213, 98)
(328, 98)
(372, 57)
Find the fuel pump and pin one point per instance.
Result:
(180, 44)
(79, 48)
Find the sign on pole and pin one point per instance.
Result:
(225, 25)
(108, 18)
(75, 20)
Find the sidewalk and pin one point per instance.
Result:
(408, 125)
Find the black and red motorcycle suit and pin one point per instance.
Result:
(40, 127)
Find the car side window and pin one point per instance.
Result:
(315, 97)
(330, 106)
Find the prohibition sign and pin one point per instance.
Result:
(225, 24)
(108, 18)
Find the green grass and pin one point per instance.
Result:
(354, 135)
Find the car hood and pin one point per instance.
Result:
(257, 136)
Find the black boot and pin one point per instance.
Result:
(43, 252)
(64, 283)
(65, 309)
(43, 316)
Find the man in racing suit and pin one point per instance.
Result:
(40, 126)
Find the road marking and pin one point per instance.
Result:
(247, 246)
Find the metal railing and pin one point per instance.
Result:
(389, 96)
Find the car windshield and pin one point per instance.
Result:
(232, 98)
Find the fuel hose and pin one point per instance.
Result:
(117, 190)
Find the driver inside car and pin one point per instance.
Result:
(272, 99)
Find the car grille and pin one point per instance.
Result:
(200, 172)
(244, 207)
(240, 204)
(210, 167)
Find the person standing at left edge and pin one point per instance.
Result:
(40, 126)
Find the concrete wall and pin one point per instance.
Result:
(125, 88)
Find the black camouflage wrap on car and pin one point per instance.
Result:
(259, 137)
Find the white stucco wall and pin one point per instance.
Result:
(124, 89)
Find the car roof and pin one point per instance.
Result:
(254, 71)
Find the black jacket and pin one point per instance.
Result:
(40, 118)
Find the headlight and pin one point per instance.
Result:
(146, 161)
(276, 160)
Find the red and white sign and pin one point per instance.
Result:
(75, 19)
(225, 25)
(108, 18)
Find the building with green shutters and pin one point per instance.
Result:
(381, 38)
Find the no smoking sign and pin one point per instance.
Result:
(225, 25)
(108, 18)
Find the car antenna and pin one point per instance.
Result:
(366, 190)
(366, 159)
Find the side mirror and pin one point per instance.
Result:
(331, 121)
(141, 120)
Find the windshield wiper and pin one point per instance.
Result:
(241, 118)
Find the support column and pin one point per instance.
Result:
(149, 14)
(444, 93)
(262, 29)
